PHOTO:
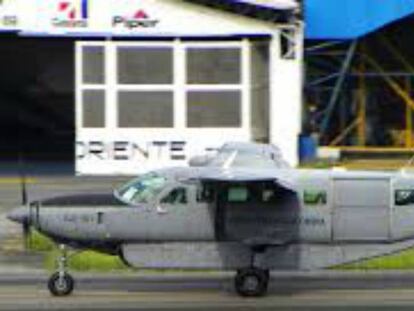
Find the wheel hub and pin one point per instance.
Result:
(251, 283)
(61, 284)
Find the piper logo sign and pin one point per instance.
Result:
(139, 20)
(71, 14)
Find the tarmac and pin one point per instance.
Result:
(316, 291)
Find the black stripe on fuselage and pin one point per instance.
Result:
(89, 199)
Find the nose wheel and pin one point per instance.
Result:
(251, 282)
(61, 283)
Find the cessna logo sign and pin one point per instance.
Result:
(6, 19)
(139, 20)
(72, 14)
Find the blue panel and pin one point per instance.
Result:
(349, 19)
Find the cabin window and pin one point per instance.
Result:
(176, 196)
(270, 193)
(237, 195)
(314, 197)
(265, 193)
(205, 193)
(404, 197)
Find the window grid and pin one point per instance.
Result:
(180, 85)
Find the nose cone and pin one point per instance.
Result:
(20, 215)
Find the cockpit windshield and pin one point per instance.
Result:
(142, 189)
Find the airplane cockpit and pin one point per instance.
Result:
(163, 187)
(141, 190)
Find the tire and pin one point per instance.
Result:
(267, 273)
(61, 286)
(251, 282)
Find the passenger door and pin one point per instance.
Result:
(259, 213)
(181, 217)
(361, 209)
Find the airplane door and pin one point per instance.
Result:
(180, 216)
(260, 212)
(361, 209)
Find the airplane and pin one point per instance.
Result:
(252, 218)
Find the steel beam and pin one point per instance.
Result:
(338, 86)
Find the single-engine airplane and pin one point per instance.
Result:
(252, 218)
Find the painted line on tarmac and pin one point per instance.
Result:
(16, 180)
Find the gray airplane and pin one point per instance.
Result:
(249, 218)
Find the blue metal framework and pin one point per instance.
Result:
(358, 92)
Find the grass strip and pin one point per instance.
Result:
(82, 261)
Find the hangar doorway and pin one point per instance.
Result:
(36, 99)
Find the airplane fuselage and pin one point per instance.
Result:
(326, 207)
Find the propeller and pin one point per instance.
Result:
(25, 202)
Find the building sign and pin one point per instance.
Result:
(64, 17)
(132, 151)
(128, 153)
(72, 14)
(9, 19)
(129, 17)
(141, 19)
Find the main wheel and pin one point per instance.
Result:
(61, 285)
(251, 282)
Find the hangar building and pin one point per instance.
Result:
(130, 85)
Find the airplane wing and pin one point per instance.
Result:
(242, 154)
(250, 176)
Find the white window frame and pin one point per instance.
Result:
(179, 85)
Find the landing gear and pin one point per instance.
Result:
(251, 282)
(61, 283)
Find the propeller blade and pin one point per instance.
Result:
(25, 199)
(26, 234)
(22, 174)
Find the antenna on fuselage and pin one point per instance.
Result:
(229, 161)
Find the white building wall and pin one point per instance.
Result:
(286, 94)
